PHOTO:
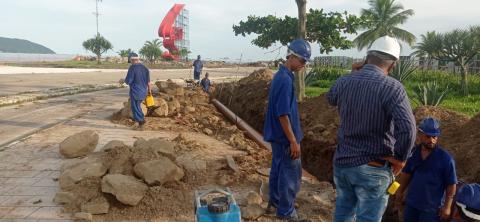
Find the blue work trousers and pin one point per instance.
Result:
(411, 214)
(361, 192)
(196, 75)
(137, 112)
(285, 178)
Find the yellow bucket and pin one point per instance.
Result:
(149, 101)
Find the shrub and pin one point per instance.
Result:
(430, 94)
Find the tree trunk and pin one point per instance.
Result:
(98, 58)
(464, 81)
(302, 33)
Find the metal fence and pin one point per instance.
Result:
(424, 64)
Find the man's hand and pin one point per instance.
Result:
(397, 165)
(399, 201)
(445, 213)
(294, 150)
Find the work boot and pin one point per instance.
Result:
(271, 208)
(296, 218)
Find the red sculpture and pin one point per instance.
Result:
(170, 33)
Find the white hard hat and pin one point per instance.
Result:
(386, 44)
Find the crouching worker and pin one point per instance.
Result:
(467, 204)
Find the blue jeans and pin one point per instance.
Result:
(284, 181)
(361, 192)
(137, 112)
(411, 214)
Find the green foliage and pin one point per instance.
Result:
(98, 45)
(459, 46)
(430, 94)
(151, 50)
(124, 52)
(383, 17)
(453, 99)
(327, 29)
(403, 70)
(323, 76)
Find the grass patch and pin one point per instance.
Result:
(454, 100)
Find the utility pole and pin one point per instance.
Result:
(96, 13)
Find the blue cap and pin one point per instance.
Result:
(430, 126)
(468, 199)
(300, 48)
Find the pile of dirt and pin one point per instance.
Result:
(450, 121)
(320, 123)
(464, 144)
(248, 97)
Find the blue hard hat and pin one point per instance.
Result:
(300, 48)
(430, 126)
(468, 199)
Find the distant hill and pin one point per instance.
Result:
(22, 46)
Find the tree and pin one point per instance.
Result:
(326, 29)
(302, 33)
(151, 50)
(124, 53)
(383, 17)
(459, 46)
(428, 47)
(98, 45)
(316, 26)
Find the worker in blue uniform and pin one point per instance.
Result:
(138, 78)
(467, 204)
(205, 83)
(282, 130)
(197, 69)
(430, 178)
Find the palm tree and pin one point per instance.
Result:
(124, 53)
(384, 16)
(98, 45)
(429, 47)
(151, 50)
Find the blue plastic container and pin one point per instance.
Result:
(225, 209)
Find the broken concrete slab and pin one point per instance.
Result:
(126, 189)
(161, 109)
(84, 217)
(81, 171)
(231, 163)
(79, 144)
(252, 212)
(158, 172)
(64, 197)
(254, 198)
(113, 144)
(191, 163)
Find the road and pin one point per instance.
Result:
(19, 121)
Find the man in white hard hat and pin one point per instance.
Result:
(376, 134)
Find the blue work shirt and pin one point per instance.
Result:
(197, 65)
(429, 178)
(138, 78)
(282, 101)
(376, 119)
(205, 83)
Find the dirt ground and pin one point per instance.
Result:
(203, 134)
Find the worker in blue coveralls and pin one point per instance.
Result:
(197, 68)
(430, 177)
(467, 204)
(376, 134)
(205, 83)
(282, 130)
(138, 78)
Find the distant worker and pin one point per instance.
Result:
(138, 78)
(197, 68)
(467, 204)
(376, 133)
(205, 83)
(282, 130)
(429, 175)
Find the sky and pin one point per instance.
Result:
(62, 25)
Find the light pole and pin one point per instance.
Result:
(96, 13)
